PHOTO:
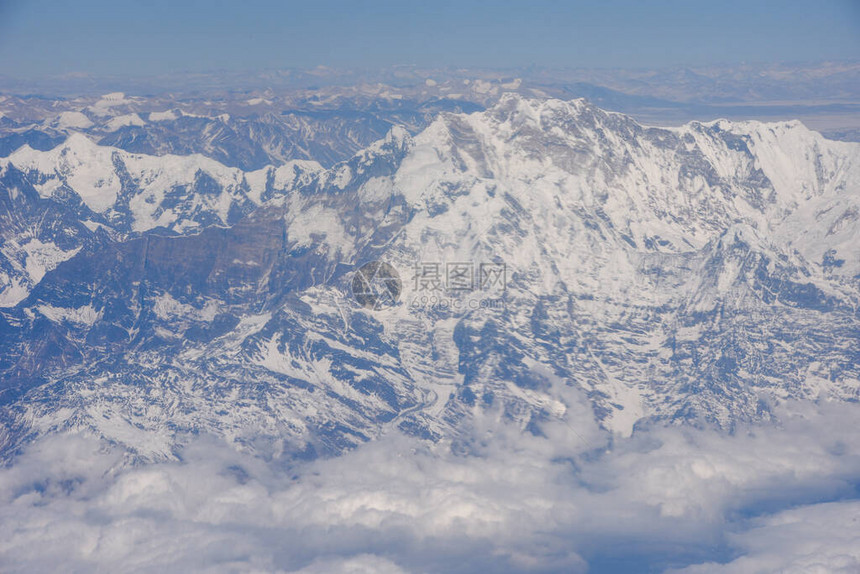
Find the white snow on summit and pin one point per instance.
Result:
(118, 122)
(75, 120)
(85, 166)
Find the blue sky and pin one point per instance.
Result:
(39, 37)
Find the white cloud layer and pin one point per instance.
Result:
(763, 499)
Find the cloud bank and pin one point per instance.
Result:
(569, 499)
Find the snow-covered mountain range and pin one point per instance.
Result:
(249, 133)
(80, 194)
(697, 274)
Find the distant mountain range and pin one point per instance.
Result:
(822, 94)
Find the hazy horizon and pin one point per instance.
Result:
(97, 37)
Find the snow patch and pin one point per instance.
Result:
(165, 116)
(85, 316)
(123, 121)
(167, 308)
(75, 120)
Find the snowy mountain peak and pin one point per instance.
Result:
(85, 166)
